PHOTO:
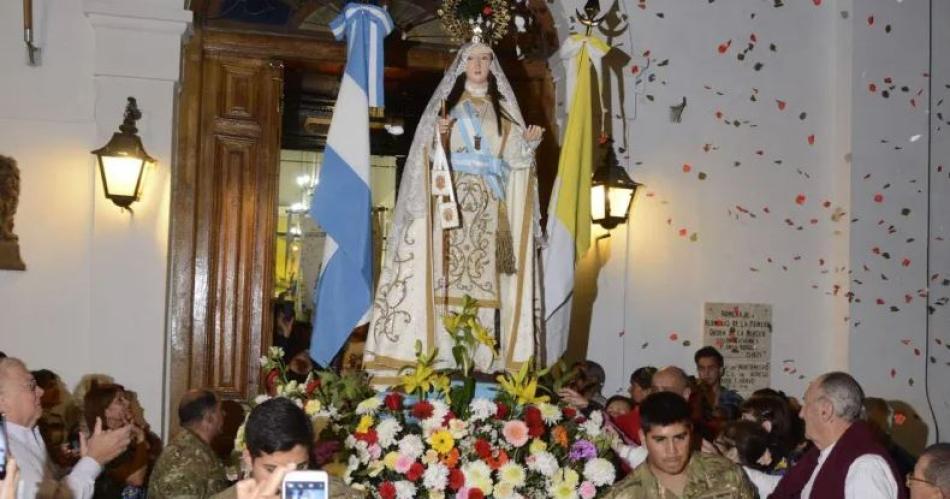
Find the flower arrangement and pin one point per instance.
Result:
(430, 437)
(328, 398)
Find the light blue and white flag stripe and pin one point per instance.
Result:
(343, 199)
(374, 26)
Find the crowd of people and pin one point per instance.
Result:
(675, 435)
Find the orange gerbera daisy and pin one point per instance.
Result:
(559, 433)
(451, 459)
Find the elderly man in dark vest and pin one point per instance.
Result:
(846, 462)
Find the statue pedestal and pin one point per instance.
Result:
(10, 256)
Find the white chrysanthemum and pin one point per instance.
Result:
(542, 462)
(481, 409)
(600, 472)
(260, 399)
(478, 475)
(439, 409)
(568, 476)
(387, 430)
(369, 406)
(405, 490)
(349, 441)
(435, 477)
(312, 407)
(352, 465)
(550, 413)
(594, 425)
(412, 446)
(362, 451)
(458, 428)
(512, 473)
(375, 468)
(562, 490)
(504, 491)
(436, 494)
(275, 352)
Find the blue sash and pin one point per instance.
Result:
(473, 161)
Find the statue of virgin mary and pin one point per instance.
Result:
(467, 227)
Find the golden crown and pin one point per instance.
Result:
(477, 21)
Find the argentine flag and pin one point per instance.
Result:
(342, 202)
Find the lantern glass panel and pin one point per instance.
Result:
(121, 175)
(619, 201)
(598, 202)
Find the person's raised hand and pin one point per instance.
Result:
(269, 489)
(445, 125)
(533, 133)
(10, 482)
(573, 398)
(105, 445)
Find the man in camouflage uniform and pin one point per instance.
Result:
(278, 435)
(188, 467)
(671, 470)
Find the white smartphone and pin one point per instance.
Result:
(306, 485)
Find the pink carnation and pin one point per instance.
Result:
(403, 463)
(587, 490)
(515, 432)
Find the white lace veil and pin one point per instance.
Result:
(411, 199)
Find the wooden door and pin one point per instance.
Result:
(223, 221)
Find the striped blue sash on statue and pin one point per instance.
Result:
(473, 161)
(342, 202)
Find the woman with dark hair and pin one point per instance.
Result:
(126, 476)
(746, 443)
(785, 428)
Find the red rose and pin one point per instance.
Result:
(369, 437)
(483, 448)
(312, 386)
(270, 382)
(532, 416)
(415, 471)
(535, 430)
(570, 413)
(501, 410)
(387, 490)
(487, 11)
(449, 416)
(476, 494)
(456, 479)
(393, 401)
(422, 410)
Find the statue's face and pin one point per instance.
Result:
(477, 66)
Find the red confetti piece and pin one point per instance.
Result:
(879, 198)
(781, 104)
(905, 262)
(646, 54)
(908, 298)
(800, 199)
(876, 250)
(723, 47)
(753, 38)
(635, 69)
(872, 87)
(917, 352)
(899, 418)
(683, 232)
(893, 372)
(674, 336)
(687, 168)
(880, 301)
(870, 20)
(826, 204)
(888, 80)
(718, 117)
(760, 152)
(816, 2)
(766, 209)
(913, 102)
(811, 139)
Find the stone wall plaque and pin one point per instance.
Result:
(9, 197)
(742, 332)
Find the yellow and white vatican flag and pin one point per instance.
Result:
(569, 220)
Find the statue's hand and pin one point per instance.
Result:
(533, 133)
(445, 125)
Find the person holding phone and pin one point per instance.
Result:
(279, 437)
(20, 403)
